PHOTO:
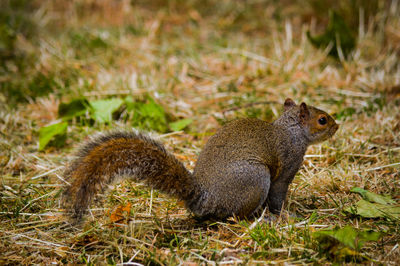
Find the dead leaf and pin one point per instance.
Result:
(121, 213)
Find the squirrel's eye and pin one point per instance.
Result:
(322, 120)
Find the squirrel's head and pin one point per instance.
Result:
(318, 125)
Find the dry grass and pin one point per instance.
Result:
(210, 62)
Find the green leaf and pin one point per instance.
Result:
(180, 124)
(347, 236)
(74, 108)
(372, 197)
(102, 110)
(374, 210)
(153, 110)
(374, 206)
(337, 32)
(147, 115)
(56, 132)
(130, 102)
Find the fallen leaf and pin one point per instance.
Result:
(348, 236)
(373, 197)
(103, 109)
(120, 213)
(56, 132)
(374, 210)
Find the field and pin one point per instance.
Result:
(179, 70)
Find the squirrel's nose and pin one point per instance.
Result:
(337, 127)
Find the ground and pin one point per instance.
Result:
(210, 62)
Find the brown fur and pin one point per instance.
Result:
(124, 154)
(247, 164)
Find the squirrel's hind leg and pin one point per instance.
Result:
(241, 195)
(256, 182)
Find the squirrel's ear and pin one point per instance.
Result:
(288, 104)
(304, 112)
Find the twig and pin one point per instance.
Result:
(48, 172)
(393, 249)
(377, 168)
(30, 214)
(232, 262)
(131, 259)
(40, 241)
(38, 198)
(258, 220)
(202, 258)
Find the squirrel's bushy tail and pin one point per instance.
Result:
(123, 154)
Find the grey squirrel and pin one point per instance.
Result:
(247, 164)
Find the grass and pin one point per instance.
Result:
(209, 61)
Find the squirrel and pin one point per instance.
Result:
(248, 164)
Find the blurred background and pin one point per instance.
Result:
(79, 46)
(172, 65)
